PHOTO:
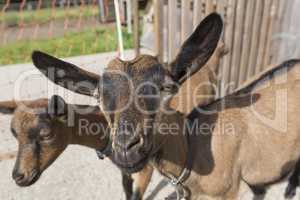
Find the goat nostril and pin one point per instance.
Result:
(135, 141)
(125, 143)
(18, 176)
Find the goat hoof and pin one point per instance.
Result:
(136, 196)
(290, 192)
(258, 191)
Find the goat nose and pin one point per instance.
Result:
(17, 176)
(126, 142)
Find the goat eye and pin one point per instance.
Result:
(45, 134)
(170, 88)
(13, 132)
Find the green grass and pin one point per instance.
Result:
(72, 44)
(14, 18)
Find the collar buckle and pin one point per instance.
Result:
(105, 152)
(96, 95)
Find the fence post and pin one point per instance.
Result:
(172, 26)
(101, 11)
(129, 15)
(246, 41)
(258, 13)
(185, 19)
(228, 40)
(272, 17)
(197, 12)
(209, 7)
(159, 28)
(237, 42)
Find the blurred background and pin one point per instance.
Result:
(61, 27)
(258, 33)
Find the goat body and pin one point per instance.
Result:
(252, 137)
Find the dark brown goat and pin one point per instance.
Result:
(231, 140)
(207, 77)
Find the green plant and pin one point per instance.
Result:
(72, 44)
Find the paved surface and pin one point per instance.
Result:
(77, 174)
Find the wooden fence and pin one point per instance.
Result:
(258, 33)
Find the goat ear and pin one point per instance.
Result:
(8, 107)
(200, 45)
(57, 107)
(66, 74)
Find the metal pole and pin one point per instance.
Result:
(136, 30)
(119, 29)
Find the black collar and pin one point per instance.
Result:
(106, 151)
(181, 191)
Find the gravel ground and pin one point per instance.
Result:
(77, 174)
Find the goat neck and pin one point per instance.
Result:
(172, 146)
(84, 135)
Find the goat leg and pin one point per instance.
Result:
(141, 181)
(258, 190)
(127, 182)
(293, 182)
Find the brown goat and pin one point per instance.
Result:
(206, 76)
(42, 137)
(218, 146)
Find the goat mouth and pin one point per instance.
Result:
(33, 178)
(132, 167)
(133, 164)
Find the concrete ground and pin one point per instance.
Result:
(77, 174)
